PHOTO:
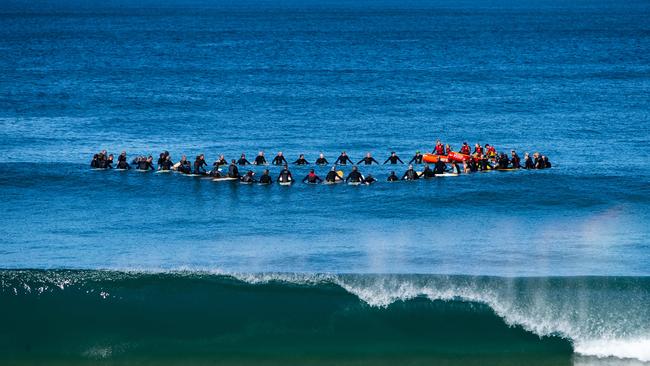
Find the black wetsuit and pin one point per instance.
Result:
(185, 167)
(410, 175)
(343, 159)
(243, 161)
(279, 160)
(473, 166)
(547, 164)
(332, 176)
(266, 179)
(503, 162)
(312, 178)
(219, 163)
(233, 171)
(368, 161)
(285, 176)
(166, 165)
(102, 162)
(198, 167)
(354, 177)
(516, 162)
(439, 168)
(301, 161)
(427, 173)
(215, 173)
(393, 178)
(321, 161)
(528, 163)
(393, 160)
(369, 180)
(483, 164)
(122, 164)
(260, 160)
(417, 159)
(145, 165)
(247, 178)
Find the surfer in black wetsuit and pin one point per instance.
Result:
(266, 177)
(528, 162)
(184, 165)
(279, 159)
(233, 171)
(145, 164)
(260, 159)
(393, 177)
(417, 158)
(547, 164)
(95, 162)
(343, 159)
(354, 176)
(109, 161)
(410, 174)
(166, 164)
(242, 160)
(121, 161)
(471, 166)
(199, 165)
(368, 160)
(312, 178)
(248, 177)
(301, 160)
(439, 168)
(219, 162)
(515, 160)
(161, 159)
(369, 179)
(285, 175)
(393, 158)
(427, 172)
(333, 176)
(502, 161)
(321, 160)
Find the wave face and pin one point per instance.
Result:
(87, 316)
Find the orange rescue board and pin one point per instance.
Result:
(456, 156)
(431, 158)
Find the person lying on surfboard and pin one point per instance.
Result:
(392, 177)
(427, 172)
(333, 176)
(393, 158)
(311, 178)
(369, 180)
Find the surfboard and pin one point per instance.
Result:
(163, 171)
(120, 170)
(286, 183)
(224, 179)
(98, 168)
(447, 175)
(143, 170)
(339, 173)
(335, 182)
(354, 183)
(506, 169)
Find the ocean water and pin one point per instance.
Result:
(530, 267)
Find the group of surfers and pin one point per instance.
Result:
(483, 158)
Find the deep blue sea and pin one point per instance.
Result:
(556, 261)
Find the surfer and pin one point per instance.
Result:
(439, 168)
(248, 177)
(321, 160)
(369, 180)
(121, 161)
(184, 165)
(333, 176)
(528, 162)
(368, 160)
(145, 164)
(285, 175)
(417, 158)
(455, 169)
(266, 177)
(393, 177)
(166, 164)
(343, 159)
(515, 160)
(279, 159)
(354, 176)
(427, 172)
(410, 174)
(243, 161)
(393, 158)
(260, 159)
(219, 162)
(199, 164)
(502, 161)
(233, 171)
(301, 160)
(312, 178)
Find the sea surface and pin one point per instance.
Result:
(548, 267)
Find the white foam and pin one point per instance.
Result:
(621, 348)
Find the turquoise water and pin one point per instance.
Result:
(543, 266)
